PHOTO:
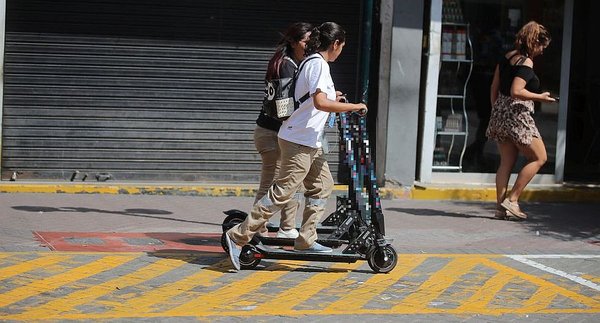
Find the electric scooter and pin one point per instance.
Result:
(327, 226)
(358, 224)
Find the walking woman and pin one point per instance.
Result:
(283, 65)
(300, 141)
(514, 88)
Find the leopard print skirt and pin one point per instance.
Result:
(512, 120)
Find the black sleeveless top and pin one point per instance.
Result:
(287, 69)
(508, 72)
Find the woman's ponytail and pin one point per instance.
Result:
(314, 42)
(323, 36)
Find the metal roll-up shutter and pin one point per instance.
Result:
(147, 90)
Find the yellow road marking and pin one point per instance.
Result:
(547, 287)
(486, 293)
(70, 301)
(225, 301)
(47, 284)
(291, 297)
(374, 286)
(226, 295)
(541, 299)
(146, 302)
(437, 284)
(29, 265)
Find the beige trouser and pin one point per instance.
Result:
(299, 164)
(267, 145)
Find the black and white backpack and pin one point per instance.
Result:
(279, 100)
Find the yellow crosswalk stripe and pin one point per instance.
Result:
(69, 302)
(374, 286)
(47, 284)
(541, 299)
(486, 293)
(30, 265)
(436, 285)
(288, 299)
(547, 289)
(226, 295)
(147, 302)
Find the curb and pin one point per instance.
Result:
(534, 194)
(459, 193)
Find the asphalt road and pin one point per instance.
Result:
(122, 258)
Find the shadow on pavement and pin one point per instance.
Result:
(145, 213)
(434, 212)
(219, 262)
(215, 260)
(563, 221)
(573, 221)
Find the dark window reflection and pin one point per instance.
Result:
(493, 25)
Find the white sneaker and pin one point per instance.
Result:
(316, 247)
(234, 252)
(292, 233)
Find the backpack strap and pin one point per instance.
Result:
(287, 58)
(307, 94)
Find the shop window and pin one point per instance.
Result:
(493, 25)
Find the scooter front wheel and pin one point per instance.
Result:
(383, 259)
(248, 259)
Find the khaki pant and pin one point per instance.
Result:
(267, 145)
(299, 164)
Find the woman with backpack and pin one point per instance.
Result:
(283, 65)
(300, 141)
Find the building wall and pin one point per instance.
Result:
(399, 98)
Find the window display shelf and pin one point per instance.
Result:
(452, 133)
(438, 167)
(450, 96)
(452, 124)
(449, 60)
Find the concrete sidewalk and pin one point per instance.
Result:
(417, 226)
(534, 193)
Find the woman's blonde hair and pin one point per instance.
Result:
(531, 35)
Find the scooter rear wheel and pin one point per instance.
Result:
(383, 259)
(225, 247)
(231, 220)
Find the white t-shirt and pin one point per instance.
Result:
(306, 125)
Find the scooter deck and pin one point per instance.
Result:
(274, 241)
(274, 228)
(270, 253)
(320, 228)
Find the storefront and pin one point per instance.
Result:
(465, 40)
(146, 90)
(169, 91)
